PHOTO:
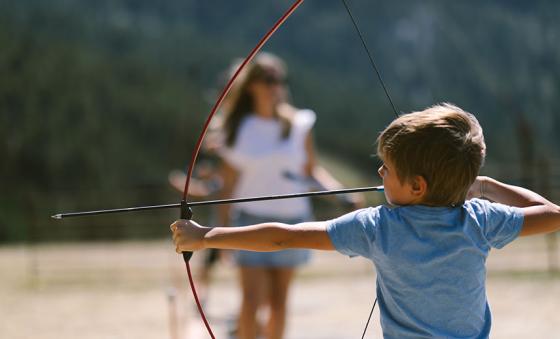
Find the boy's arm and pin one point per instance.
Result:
(190, 236)
(540, 215)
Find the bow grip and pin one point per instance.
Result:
(186, 213)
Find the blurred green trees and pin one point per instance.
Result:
(100, 99)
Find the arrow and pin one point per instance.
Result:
(219, 202)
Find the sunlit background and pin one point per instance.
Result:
(100, 100)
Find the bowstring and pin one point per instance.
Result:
(374, 66)
(369, 54)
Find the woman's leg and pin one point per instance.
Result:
(210, 259)
(279, 280)
(253, 280)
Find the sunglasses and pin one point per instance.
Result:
(270, 80)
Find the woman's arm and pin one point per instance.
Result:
(540, 215)
(324, 179)
(190, 236)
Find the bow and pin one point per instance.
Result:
(186, 213)
(185, 210)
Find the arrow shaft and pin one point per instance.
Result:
(219, 202)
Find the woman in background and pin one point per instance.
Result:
(267, 149)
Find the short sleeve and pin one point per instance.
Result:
(353, 234)
(500, 223)
(305, 119)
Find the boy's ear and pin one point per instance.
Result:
(419, 186)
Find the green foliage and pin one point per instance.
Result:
(100, 99)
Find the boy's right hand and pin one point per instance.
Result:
(188, 236)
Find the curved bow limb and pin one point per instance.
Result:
(184, 210)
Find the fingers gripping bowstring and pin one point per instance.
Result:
(185, 209)
(372, 62)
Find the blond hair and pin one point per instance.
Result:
(443, 144)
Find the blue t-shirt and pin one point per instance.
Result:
(430, 263)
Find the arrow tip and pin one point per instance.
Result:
(57, 216)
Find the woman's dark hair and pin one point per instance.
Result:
(264, 67)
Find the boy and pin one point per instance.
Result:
(430, 246)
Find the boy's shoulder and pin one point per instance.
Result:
(477, 205)
(485, 223)
(478, 209)
(489, 209)
(478, 213)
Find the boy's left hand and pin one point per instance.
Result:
(188, 236)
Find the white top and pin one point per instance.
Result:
(268, 164)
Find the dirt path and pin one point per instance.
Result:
(121, 290)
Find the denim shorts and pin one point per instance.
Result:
(284, 258)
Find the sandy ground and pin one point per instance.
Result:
(139, 290)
